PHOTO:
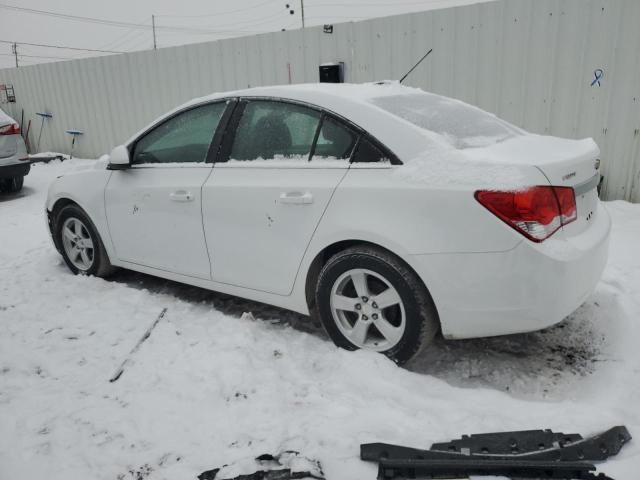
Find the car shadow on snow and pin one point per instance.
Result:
(24, 192)
(227, 304)
(539, 364)
(544, 363)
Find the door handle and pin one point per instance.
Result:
(181, 196)
(296, 198)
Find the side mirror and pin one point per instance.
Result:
(119, 158)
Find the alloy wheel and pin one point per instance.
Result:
(368, 310)
(78, 244)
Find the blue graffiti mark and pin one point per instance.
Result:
(597, 76)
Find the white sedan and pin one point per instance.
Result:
(389, 212)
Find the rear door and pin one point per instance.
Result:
(154, 208)
(279, 166)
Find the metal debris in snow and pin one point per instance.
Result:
(536, 454)
(288, 465)
(129, 358)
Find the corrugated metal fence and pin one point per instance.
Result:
(563, 67)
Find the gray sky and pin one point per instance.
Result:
(196, 21)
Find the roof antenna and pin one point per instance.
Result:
(414, 67)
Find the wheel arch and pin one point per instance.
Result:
(328, 251)
(52, 217)
(57, 206)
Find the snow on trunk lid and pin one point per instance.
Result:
(576, 164)
(564, 162)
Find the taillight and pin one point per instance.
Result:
(11, 129)
(537, 212)
(567, 201)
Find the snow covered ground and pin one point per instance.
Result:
(209, 387)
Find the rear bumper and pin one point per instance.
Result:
(14, 170)
(529, 287)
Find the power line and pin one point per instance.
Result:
(384, 4)
(123, 38)
(65, 16)
(61, 47)
(129, 36)
(228, 12)
(112, 23)
(21, 55)
(251, 23)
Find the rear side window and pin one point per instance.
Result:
(184, 138)
(270, 130)
(368, 152)
(335, 141)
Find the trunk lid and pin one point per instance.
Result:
(574, 164)
(564, 162)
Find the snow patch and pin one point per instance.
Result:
(533, 149)
(209, 388)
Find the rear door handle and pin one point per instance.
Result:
(296, 198)
(181, 196)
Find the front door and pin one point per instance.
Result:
(261, 205)
(154, 208)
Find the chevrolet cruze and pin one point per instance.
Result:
(388, 212)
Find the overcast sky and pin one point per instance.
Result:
(196, 21)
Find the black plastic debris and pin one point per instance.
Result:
(288, 465)
(537, 454)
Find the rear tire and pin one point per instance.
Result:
(367, 298)
(12, 185)
(80, 245)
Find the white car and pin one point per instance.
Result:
(389, 212)
(14, 161)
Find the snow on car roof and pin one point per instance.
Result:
(439, 139)
(351, 101)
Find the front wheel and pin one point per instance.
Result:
(81, 246)
(370, 299)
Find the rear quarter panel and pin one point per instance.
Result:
(414, 217)
(377, 205)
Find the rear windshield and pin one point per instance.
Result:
(461, 124)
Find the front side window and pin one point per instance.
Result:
(270, 130)
(184, 138)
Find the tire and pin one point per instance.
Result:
(12, 185)
(89, 256)
(410, 324)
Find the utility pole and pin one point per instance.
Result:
(153, 27)
(14, 50)
(302, 11)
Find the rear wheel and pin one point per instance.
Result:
(12, 185)
(370, 299)
(81, 246)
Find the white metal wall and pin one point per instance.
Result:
(529, 61)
